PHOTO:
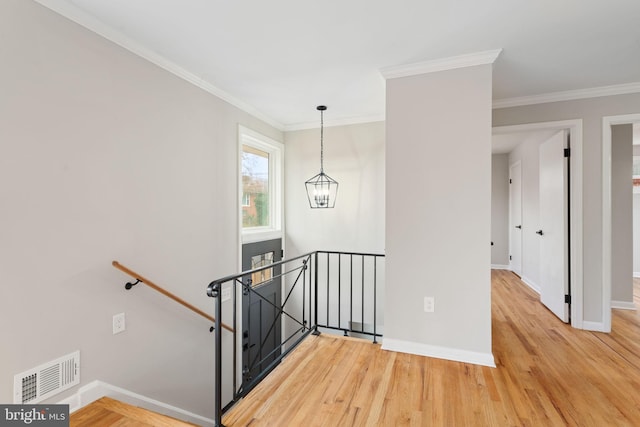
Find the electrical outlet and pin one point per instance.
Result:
(429, 304)
(118, 323)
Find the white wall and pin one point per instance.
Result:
(105, 156)
(622, 215)
(438, 220)
(500, 209)
(528, 154)
(354, 156)
(591, 112)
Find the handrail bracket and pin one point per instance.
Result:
(130, 285)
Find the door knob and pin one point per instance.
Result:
(519, 227)
(539, 232)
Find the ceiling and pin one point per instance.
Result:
(279, 59)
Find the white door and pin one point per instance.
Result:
(553, 231)
(515, 218)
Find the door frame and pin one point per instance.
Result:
(258, 292)
(574, 128)
(511, 225)
(607, 212)
(277, 229)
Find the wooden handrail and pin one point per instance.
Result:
(163, 291)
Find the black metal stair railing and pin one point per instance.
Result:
(322, 290)
(348, 285)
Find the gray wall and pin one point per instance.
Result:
(500, 209)
(621, 214)
(438, 211)
(591, 112)
(105, 156)
(636, 235)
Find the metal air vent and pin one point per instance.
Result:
(47, 380)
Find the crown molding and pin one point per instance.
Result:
(87, 21)
(568, 95)
(443, 64)
(335, 122)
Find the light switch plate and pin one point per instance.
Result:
(118, 323)
(429, 304)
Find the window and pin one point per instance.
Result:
(245, 200)
(260, 186)
(636, 174)
(255, 187)
(263, 276)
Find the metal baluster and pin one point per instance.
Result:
(316, 332)
(218, 367)
(362, 311)
(304, 292)
(375, 286)
(339, 292)
(351, 293)
(328, 300)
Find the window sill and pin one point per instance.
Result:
(259, 235)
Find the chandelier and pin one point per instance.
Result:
(321, 189)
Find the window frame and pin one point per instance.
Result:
(275, 150)
(635, 161)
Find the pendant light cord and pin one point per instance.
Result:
(321, 141)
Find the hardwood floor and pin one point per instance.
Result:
(548, 374)
(106, 412)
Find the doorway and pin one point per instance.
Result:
(261, 320)
(261, 231)
(607, 212)
(635, 208)
(515, 218)
(574, 130)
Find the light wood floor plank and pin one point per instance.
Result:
(548, 374)
(107, 412)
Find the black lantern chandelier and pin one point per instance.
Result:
(322, 189)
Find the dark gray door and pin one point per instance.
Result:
(261, 334)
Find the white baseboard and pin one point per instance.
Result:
(593, 326)
(500, 267)
(530, 283)
(73, 402)
(454, 354)
(636, 274)
(97, 389)
(623, 305)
